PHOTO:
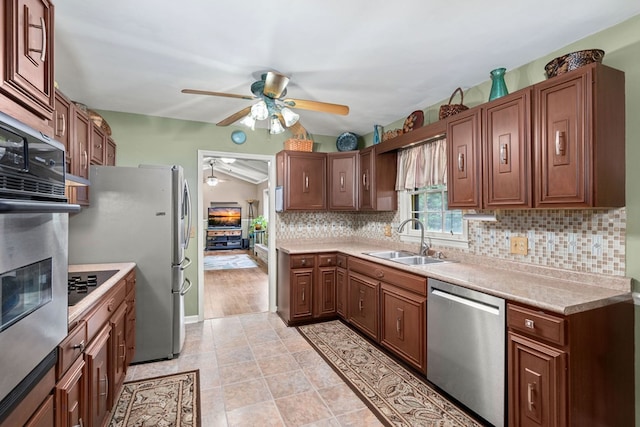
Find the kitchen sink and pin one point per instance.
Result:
(391, 254)
(417, 260)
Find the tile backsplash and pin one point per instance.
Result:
(591, 241)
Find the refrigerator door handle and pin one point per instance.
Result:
(185, 263)
(186, 285)
(186, 209)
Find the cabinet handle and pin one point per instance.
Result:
(504, 153)
(530, 391)
(360, 304)
(460, 162)
(398, 325)
(85, 157)
(124, 351)
(561, 144)
(306, 182)
(80, 423)
(106, 386)
(341, 181)
(302, 294)
(379, 274)
(528, 323)
(303, 261)
(62, 125)
(43, 27)
(79, 346)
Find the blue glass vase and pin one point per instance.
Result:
(498, 86)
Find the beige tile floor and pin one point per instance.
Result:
(255, 371)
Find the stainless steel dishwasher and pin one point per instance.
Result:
(466, 348)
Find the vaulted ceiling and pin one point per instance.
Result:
(383, 59)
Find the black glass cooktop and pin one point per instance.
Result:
(79, 285)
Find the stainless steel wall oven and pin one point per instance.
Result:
(33, 258)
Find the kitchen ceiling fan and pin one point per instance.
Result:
(213, 180)
(270, 91)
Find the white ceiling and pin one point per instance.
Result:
(383, 59)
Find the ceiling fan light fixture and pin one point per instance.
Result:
(249, 122)
(212, 181)
(290, 117)
(259, 111)
(276, 126)
(227, 160)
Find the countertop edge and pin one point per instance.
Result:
(124, 268)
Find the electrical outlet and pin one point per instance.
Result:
(519, 245)
(387, 230)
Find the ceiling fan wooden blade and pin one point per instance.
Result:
(324, 107)
(234, 117)
(207, 92)
(275, 84)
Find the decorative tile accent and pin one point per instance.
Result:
(589, 240)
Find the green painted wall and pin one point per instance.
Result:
(143, 139)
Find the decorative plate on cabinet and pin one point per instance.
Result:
(347, 141)
(414, 121)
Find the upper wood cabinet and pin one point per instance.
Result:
(26, 62)
(303, 176)
(580, 139)
(342, 177)
(464, 169)
(377, 180)
(506, 136)
(61, 125)
(98, 145)
(110, 157)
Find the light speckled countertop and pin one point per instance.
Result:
(554, 290)
(123, 269)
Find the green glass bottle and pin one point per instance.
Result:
(498, 86)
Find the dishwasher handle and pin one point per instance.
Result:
(466, 301)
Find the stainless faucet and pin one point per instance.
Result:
(424, 247)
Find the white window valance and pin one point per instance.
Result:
(422, 166)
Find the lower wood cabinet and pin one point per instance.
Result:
(362, 296)
(98, 390)
(71, 392)
(118, 348)
(341, 285)
(325, 286)
(45, 415)
(404, 326)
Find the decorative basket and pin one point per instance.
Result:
(295, 144)
(571, 61)
(99, 121)
(451, 109)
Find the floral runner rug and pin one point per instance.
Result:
(228, 262)
(394, 394)
(170, 400)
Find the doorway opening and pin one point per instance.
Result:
(236, 262)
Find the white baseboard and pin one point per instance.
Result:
(191, 319)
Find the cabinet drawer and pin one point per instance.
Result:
(401, 279)
(326, 260)
(298, 261)
(341, 261)
(71, 347)
(99, 317)
(538, 324)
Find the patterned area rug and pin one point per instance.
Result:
(171, 400)
(397, 396)
(228, 262)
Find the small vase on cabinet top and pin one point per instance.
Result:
(498, 86)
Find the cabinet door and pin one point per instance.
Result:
(561, 149)
(130, 320)
(326, 292)
(301, 293)
(98, 145)
(305, 180)
(98, 387)
(537, 383)
(464, 164)
(82, 153)
(343, 169)
(404, 321)
(62, 126)
(507, 156)
(341, 292)
(118, 350)
(28, 61)
(362, 294)
(110, 159)
(44, 416)
(71, 397)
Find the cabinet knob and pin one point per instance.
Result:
(528, 323)
(79, 346)
(303, 261)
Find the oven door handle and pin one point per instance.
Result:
(27, 206)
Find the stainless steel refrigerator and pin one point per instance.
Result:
(142, 215)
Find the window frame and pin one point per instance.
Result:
(411, 235)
